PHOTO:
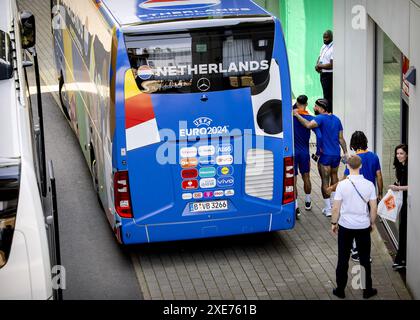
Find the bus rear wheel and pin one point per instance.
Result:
(64, 107)
(95, 180)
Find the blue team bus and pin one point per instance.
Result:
(183, 112)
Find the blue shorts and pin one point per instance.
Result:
(330, 161)
(303, 162)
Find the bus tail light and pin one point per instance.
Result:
(9, 197)
(289, 181)
(122, 195)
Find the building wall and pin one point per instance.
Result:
(304, 22)
(413, 253)
(353, 71)
(355, 100)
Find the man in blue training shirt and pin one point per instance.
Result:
(302, 136)
(371, 167)
(371, 170)
(332, 138)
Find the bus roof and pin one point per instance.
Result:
(128, 12)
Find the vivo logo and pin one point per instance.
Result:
(225, 182)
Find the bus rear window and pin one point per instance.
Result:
(202, 60)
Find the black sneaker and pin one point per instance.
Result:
(369, 293)
(308, 206)
(355, 256)
(298, 213)
(339, 293)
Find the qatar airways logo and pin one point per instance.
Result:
(178, 4)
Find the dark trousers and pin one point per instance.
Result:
(327, 87)
(402, 235)
(345, 241)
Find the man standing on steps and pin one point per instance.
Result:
(332, 138)
(302, 137)
(352, 220)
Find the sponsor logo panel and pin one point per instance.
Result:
(219, 193)
(225, 171)
(230, 193)
(189, 173)
(204, 161)
(190, 184)
(225, 149)
(208, 194)
(224, 160)
(207, 183)
(189, 163)
(188, 152)
(198, 195)
(225, 182)
(205, 151)
(207, 172)
(187, 196)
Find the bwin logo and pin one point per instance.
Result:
(178, 4)
(203, 121)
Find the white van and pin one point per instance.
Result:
(25, 267)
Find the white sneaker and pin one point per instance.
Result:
(327, 212)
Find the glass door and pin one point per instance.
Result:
(392, 111)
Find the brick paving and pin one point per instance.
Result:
(295, 264)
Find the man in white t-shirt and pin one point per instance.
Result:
(352, 219)
(324, 67)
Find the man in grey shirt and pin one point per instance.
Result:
(352, 220)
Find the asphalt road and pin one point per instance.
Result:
(96, 266)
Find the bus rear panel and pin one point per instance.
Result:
(206, 129)
(202, 141)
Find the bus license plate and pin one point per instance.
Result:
(209, 206)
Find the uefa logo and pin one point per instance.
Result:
(203, 122)
(178, 4)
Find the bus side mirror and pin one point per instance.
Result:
(27, 29)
